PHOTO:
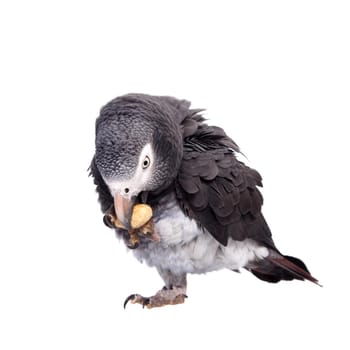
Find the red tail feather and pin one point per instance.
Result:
(293, 265)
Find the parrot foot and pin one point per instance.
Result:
(145, 231)
(172, 296)
(148, 231)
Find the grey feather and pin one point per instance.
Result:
(198, 184)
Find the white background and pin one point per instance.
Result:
(274, 74)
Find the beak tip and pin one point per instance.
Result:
(127, 225)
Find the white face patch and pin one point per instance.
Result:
(139, 180)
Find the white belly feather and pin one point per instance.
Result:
(185, 248)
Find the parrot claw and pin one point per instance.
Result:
(136, 298)
(132, 245)
(108, 220)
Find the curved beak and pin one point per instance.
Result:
(123, 209)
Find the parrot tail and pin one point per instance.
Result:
(277, 267)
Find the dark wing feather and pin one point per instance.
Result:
(219, 191)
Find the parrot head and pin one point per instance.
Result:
(138, 149)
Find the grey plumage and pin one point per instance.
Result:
(195, 170)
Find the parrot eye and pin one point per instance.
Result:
(146, 162)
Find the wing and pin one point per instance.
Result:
(219, 191)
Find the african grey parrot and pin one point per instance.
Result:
(206, 204)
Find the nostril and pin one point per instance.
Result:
(126, 190)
